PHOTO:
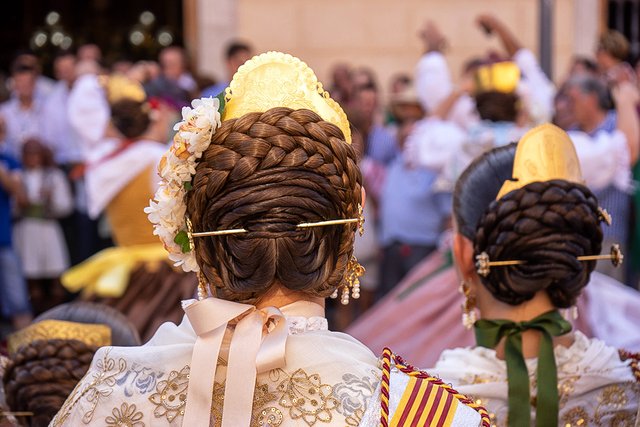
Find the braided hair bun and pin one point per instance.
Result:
(547, 225)
(266, 173)
(42, 374)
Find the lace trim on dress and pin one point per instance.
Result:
(300, 324)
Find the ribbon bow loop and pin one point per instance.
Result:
(258, 344)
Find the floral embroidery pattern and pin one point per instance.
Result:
(307, 398)
(139, 378)
(125, 416)
(171, 395)
(100, 386)
(352, 395)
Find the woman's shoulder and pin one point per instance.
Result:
(409, 396)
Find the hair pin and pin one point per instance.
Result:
(484, 264)
(359, 220)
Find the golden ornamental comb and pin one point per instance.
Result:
(276, 79)
(544, 153)
(97, 335)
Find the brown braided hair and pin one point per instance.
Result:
(43, 374)
(547, 225)
(266, 173)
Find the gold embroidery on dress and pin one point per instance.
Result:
(101, 386)
(575, 417)
(125, 416)
(262, 414)
(171, 395)
(307, 398)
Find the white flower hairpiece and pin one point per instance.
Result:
(168, 210)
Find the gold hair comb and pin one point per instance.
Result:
(484, 264)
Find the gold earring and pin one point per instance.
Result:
(360, 219)
(352, 279)
(202, 282)
(468, 306)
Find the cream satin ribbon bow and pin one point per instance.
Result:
(256, 347)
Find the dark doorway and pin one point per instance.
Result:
(117, 26)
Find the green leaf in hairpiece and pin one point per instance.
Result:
(182, 239)
(223, 102)
(188, 186)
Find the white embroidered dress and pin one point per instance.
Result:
(596, 388)
(328, 379)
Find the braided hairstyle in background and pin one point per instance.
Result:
(547, 225)
(43, 373)
(266, 173)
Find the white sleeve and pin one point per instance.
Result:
(604, 159)
(535, 87)
(88, 111)
(433, 144)
(433, 80)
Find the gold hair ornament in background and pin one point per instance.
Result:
(119, 87)
(543, 154)
(499, 77)
(91, 334)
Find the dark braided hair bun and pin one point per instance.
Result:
(268, 172)
(547, 225)
(43, 374)
(130, 117)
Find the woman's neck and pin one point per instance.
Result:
(491, 308)
(279, 296)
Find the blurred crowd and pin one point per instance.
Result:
(413, 147)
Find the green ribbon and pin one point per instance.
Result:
(550, 324)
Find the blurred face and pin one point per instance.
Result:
(563, 116)
(342, 76)
(172, 63)
(584, 106)
(32, 156)
(64, 68)
(89, 52)
(237, 60)
(24, 84)
(408, 111)
(367, 102)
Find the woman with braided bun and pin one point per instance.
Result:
(50, 357)
(261, 197)
(134, 276)
(527, 256)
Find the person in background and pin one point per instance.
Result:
(617, 134)
(528, 367)
(48, 359)
(14, 297)
(89, 52)
(175, 84)
(37, 235)
(236, 54)
(57, 132)
(341, 88)
(23, 112)
(407, 238)
(379, 141)
(134, 276)
(612, 52)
